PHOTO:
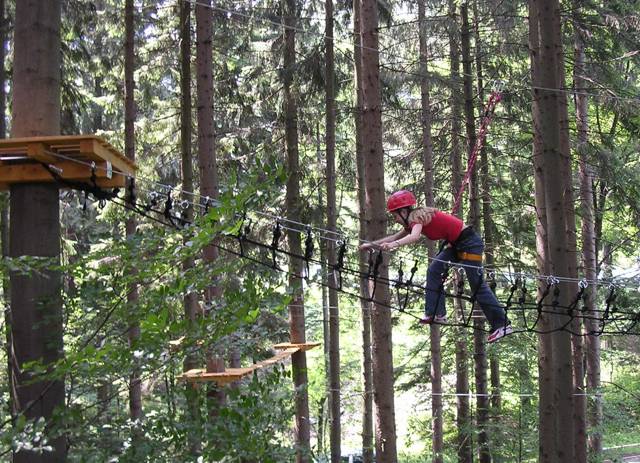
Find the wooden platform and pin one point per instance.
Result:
(231, 375)
(70, 155)
(303, 347)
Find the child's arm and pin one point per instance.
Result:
(386, 239)
(408, 238)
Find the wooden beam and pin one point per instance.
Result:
(94, 148)
(88, 146)
(118, 181)
(40, 152)
(25, 173)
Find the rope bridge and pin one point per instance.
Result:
(524, 305)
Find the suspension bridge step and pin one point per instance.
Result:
(230, 375)
(303, 347)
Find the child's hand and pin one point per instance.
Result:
(389, 246)
(365, 246)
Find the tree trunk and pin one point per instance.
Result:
(427, 163)
(296, 308)
(190, 300)
(367, 372)
(487, 222)
(549, 106)
(133, 334)
(34, 229)
(592, 343)
(4, 222)
(383, 380)
(334, 312)
(546, 414)
(207, 164)
(463, 414)
(325, 307)
(579, 402)
(479, 351)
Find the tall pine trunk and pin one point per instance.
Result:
(207, 164)
(548, 101)
(487, 221)
(365, 305)
(4, 220)
(479, 350)
(293, 205)
(383, 380)
(190, 300)
(592, 343)
(36, 305)
(579, 399)
(325, 307)
(464, 442)
(133, 334)
(334, 312)
(427, 163)
(546, 414)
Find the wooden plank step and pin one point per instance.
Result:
(230, 375)
(303, 347)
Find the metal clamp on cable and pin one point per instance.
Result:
(523, 293)
(337, 268)
(611, 298)
(153, 201)
(168, 205)
(407, 284)
(131, 191)
(243, 232)
(376, 272)
(398, 284)
(512, 291)
(277, 233)
(308, 250)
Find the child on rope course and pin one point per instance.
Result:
(462, 244)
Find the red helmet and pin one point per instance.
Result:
(400, 199)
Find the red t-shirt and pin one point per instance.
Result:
(443, 226)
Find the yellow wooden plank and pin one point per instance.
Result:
(231, 375)
(20, 144)
(302, 346)
(47, 139)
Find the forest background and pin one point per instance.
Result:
(252, 87)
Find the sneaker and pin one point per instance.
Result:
(429, 319)
(499, 333)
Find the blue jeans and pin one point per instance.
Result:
(435, 297)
